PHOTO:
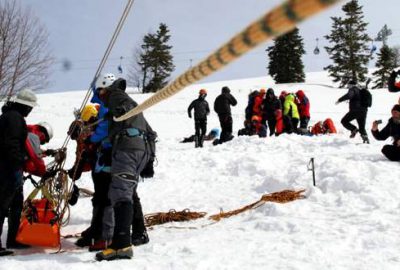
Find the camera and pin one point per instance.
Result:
(378, 121)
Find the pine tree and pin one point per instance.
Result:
(285, 64)
(349, 51)
(385, 64)
(155, 60)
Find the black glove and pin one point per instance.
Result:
(148, 171)
(50, 152)
(73, 199)
(190, 116)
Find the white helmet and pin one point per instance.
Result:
(26, 97)
(49, 130)
(105, 80)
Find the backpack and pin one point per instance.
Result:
(365, 98)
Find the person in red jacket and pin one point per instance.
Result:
(258, 101)
(37, 135)
(303, 104)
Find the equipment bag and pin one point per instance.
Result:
(39, 225)
(365, 98)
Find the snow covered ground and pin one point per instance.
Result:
(350, 220)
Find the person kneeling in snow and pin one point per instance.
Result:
(255, 127)
(392, 129)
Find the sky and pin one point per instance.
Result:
(80, 30)
(348, 221)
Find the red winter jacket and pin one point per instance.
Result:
(258, 100)
(34, 164)
(303, 104)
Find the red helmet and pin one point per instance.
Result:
(203, 92)
(256, 118)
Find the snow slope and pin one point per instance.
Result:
(350, 220)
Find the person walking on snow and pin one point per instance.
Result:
(222, 106)
(201, 110)
(356, 111)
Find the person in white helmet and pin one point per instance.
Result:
(131, 151)
(13, 134)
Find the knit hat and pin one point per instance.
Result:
(226, 89)
(26, 97)
(396, 108)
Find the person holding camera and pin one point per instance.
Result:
(392, 129)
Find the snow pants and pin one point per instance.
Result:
(226, 122)
(10, 182)
(360, 116)
(128, 160)
(392, 152)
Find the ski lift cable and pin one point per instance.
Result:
(278, 21)
(104, 58)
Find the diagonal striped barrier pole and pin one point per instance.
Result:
(275, 23)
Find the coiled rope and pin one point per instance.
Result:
(277, 22)
(159, 218)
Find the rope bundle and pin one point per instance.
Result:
(171, 216)
(278, 197)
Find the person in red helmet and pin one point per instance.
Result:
(201, 110)
(303, 105)
(254, 127)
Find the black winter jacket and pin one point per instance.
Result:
(222, 104)
(201, 108)
(392, 129)
(270, 105)
(13, 134)
(118, 102)
(353, 95)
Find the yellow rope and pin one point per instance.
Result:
(277, 22)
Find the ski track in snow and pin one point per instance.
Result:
(350, 220)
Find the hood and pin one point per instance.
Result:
(300, 94)
(119, 84)
(289, 97)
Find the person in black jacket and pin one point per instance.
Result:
(201, 110)
(356, 111)
(392, 129)
(13, 134)
(131, 152)
(222, 106)
(270, 107)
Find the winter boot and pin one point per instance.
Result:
(353, 133)
(365, 139)
(201, 140)
(115, 254)
(196, 141)
(5, 252)
(121, 244)
(140, 239)
(123, 213)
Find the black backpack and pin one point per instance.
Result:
(365, 98)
